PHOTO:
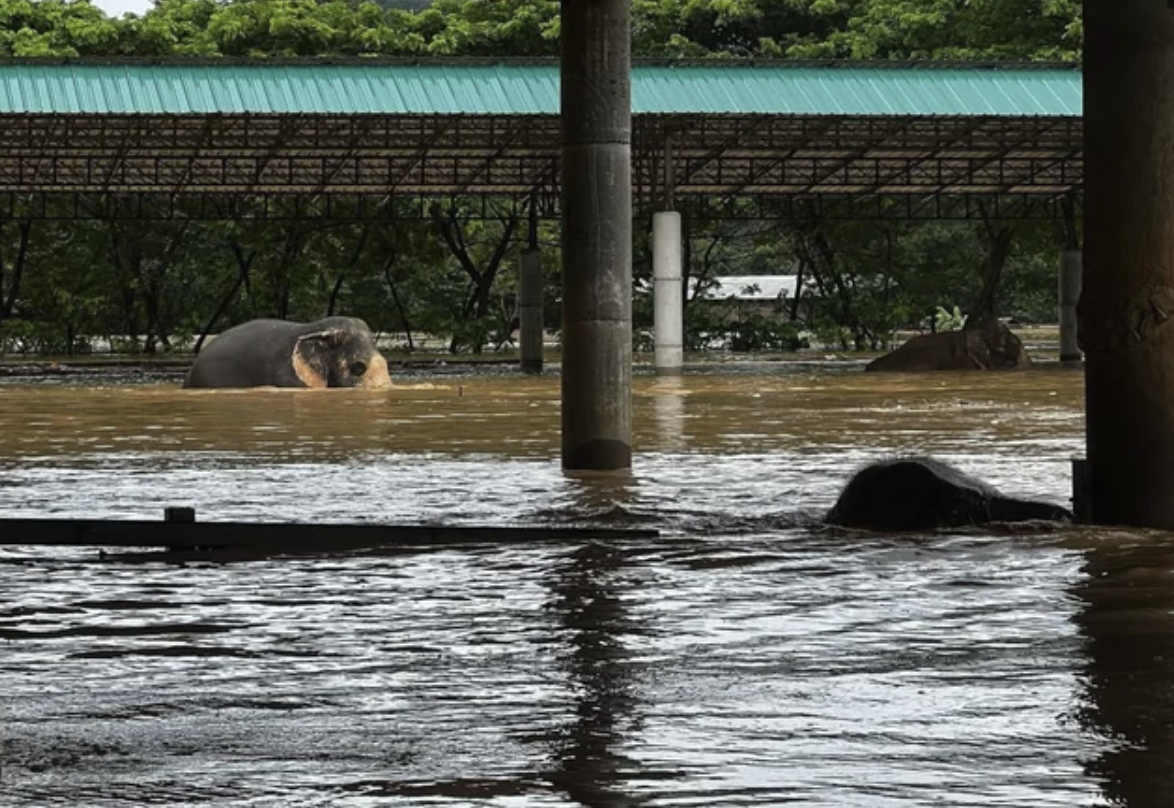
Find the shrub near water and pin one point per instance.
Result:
(708, 328)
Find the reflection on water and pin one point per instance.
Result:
(589, 766)
(476, 449)
(1127, 619)
(518, 417)
(749, 657)
(668, 412)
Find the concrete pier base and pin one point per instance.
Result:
(596, 235)
(1128, 296)
(668, 294)
(530, 310)
(1070, 284)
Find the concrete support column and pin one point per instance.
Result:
(668, 308)
(596, 235)
(1128, 297)
(1071, 269)
(530, 309)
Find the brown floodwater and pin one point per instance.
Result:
(747, 657)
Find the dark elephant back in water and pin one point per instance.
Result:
(987, 345)
(335, 352)
(920, 493)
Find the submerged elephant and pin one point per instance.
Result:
(335, 352)
(920, 493)
(988, 345)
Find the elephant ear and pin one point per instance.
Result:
(313, 356)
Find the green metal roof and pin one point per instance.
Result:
(530, 89)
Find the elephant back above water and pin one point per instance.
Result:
(920, 493)
(335, 352)
(987, 345)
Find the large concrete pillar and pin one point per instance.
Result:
(1128, 294)
(668, 308)
(530, 309)
(1071, 269)
(596, 235)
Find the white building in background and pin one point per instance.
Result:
(767, 293)
(763, 289)
(757, 288)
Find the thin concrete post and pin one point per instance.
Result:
(1071, 269)
(668, 306)
(596, 111)
(668, 310)
(530, 309)
(1128, 297)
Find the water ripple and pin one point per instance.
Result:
(748, 657)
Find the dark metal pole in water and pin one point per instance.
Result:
(1128, 294)
(1071, 276)
(596, 235)
(530, 299)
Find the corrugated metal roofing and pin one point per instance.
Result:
(531, 89)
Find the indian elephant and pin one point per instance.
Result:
(335, 352)
(920, 493)
(988, 345)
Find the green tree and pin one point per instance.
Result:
(452, 275)
(953, 29)
(56, 28)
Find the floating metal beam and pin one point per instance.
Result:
(281, 538)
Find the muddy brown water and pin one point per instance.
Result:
(748, 657)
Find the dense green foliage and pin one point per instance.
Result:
(64, 285)
(857, 29)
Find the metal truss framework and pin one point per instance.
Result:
(146, 206)
(347, 167)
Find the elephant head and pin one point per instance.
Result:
(339, 352)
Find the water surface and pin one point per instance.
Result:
(748, 657)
